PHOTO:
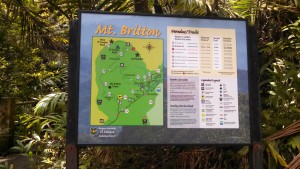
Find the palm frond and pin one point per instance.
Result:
(50, 103)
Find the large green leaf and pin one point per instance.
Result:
(276, 155)
(242, 152)
(294, 141)
(50, 102)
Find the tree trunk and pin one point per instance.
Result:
(7, 107)
(141, 6)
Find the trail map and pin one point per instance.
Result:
(127, 82)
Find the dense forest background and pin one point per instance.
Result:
(34, 37)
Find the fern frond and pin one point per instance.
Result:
(50, 103)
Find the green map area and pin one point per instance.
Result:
(127, 81)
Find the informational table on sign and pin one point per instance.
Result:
(202, 78)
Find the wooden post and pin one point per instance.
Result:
(256, 148)
(7, 108)
(256, 156)
(72, 158)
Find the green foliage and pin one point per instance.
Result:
(294, 142)
(6, 166)
(44, 141)
(23, 71)
(31, 40)
(273, 150)
(280, 92)
(184, 8)
(33, 64)
(51, 102)
(284, 95)
(188, 157)
(281, 87)
(293, 40)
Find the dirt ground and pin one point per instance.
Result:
(18, 161)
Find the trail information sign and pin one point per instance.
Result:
(144, 79)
